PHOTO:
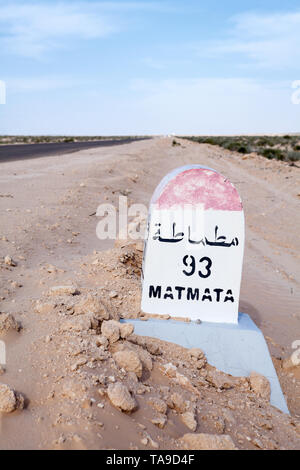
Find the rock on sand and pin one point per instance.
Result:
(120, 397)
(207, 442)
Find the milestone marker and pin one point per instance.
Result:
(194, 248)
(192, 268)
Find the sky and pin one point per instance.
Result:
(146, 67)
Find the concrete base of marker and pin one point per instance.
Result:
(237, 350)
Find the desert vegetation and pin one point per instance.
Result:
(46, 139)
(284, 148)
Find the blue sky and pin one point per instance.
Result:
(146, 67)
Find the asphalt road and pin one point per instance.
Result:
(10, 153)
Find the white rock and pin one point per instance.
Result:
(8, 322)
(196, 353)
(44, 308)
(130, 361)
(101, 341)
(10, 400)
(126, 329)
(158, 405)
(113, 295)
(160, 421)
(9, 261)
(170, 370)
(120, 397)
(260, 385)
(63, 290)
(207, 442)
(111, 330)
(82, 323)
(188, 418)
(177, 402)
(220, 380)
(91, 304)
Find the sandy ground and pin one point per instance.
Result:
(48, 228)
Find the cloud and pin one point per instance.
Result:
(140, 5)
(156, 106)
(44, 84)
(30, 29)
(267, 40)
(215, 106)
(154, 64)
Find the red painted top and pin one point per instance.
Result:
(200, 186)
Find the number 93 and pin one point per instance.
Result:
(190, 263)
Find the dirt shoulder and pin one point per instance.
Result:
(48, 227)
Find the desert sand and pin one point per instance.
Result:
(71, 366)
